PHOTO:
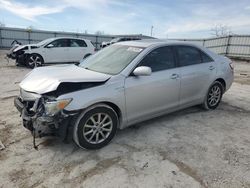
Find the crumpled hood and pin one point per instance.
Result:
(45, 79)
(23, 46)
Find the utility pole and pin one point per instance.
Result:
(152, 27)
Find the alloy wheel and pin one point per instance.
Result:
(97, 128)
(214, 95)
(34, 61)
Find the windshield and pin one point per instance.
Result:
(44, 42)
(111, 60)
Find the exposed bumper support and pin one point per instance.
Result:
(41, 124)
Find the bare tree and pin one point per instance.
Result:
(220, 30)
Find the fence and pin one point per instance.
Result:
(27, 36)
(235, 46)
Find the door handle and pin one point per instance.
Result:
(174, 76)
(211, 67)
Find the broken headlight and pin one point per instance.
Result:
(53, 107)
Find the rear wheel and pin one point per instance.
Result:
(87, 55)
(96, 127)
(214, 96)
(34, 60)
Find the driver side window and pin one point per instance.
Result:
(60, 43)
(159, 59)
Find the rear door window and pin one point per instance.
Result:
(188, 55)
(77, 43)
(205, 58)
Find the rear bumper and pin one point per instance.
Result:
(229, 80)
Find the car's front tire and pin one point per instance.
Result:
(34, 60)
(213, 96)
(96, 127)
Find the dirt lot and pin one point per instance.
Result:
(190, 148)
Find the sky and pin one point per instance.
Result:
(169, 18)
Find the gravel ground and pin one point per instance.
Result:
(189, 148)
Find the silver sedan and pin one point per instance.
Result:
(121, 85)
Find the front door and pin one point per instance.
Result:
(147, 96)
(57, 51)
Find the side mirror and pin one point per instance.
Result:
(50, 46)
(142, 71)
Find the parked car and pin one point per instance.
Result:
(104, 44)
(119, 86)
(119, 39)
(52, 50)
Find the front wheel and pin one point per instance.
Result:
(95, 128)
(214, 96)
(34, 60)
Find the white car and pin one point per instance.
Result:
(52, 50)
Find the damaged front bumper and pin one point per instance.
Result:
(39, 122)
(20, 56)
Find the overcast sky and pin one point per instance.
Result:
(170, 18)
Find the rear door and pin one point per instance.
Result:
(56, 51)
(197, 72)
(77, 49)
(147, 96)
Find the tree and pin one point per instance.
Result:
(220, 30)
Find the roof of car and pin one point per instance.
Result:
(149, 42)
(68, 38)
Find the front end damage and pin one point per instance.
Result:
(19, 53)
(41, 105)
(44, 115)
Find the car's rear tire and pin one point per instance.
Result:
(87, 55)
(95, 127)
(213, 96)
(34, 60)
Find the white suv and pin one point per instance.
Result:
(52, 50)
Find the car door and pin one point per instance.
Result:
(147, 96)
(57, 51)
(197, 71)
(77, 49)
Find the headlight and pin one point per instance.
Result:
(53, 107)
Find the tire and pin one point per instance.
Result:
(213, 96)
(87, 55)
(96, 127)
(34, 60)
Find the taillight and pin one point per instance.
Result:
(231, 65)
